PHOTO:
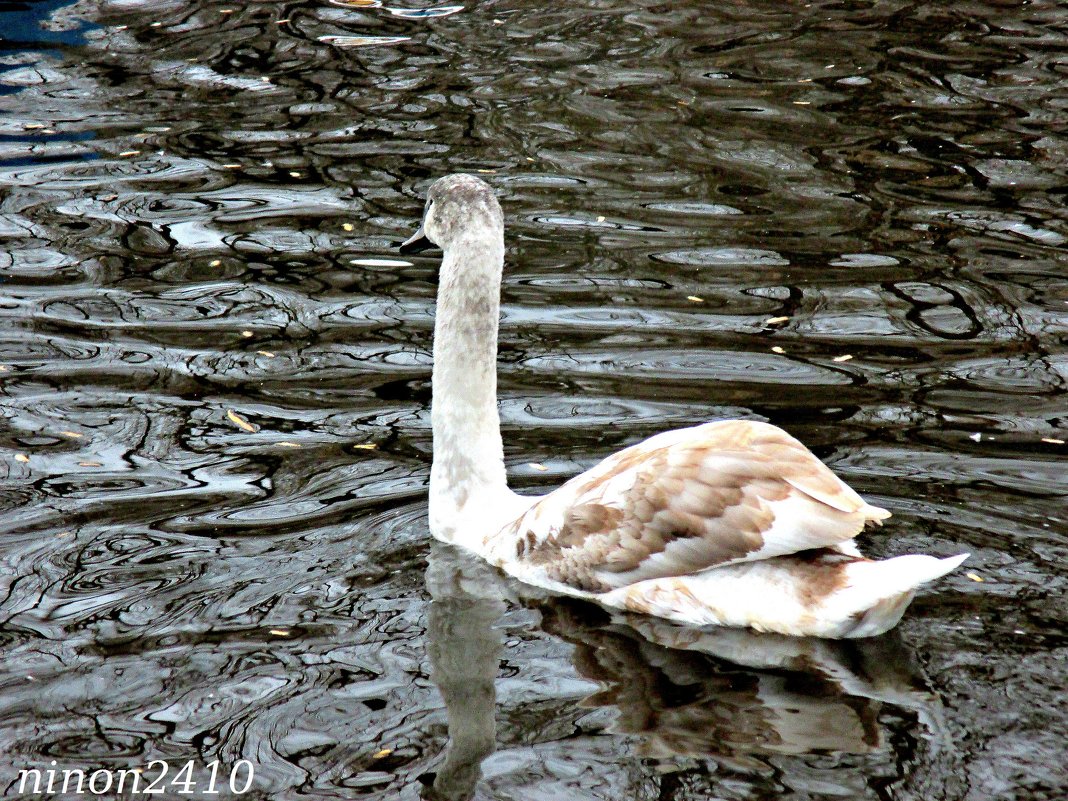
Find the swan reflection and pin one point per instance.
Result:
(728, 694)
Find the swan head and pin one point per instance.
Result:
(458, 206)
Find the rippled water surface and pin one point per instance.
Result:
(847, 218)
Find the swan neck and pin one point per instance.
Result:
(468, 469)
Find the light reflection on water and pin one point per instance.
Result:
(199, 219)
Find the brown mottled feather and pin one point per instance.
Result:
(683, 506)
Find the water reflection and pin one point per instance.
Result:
(464, 648)
(731, 695)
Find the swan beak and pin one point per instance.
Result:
(416, 243)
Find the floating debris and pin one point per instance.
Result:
(246, 334)
(778, 349)
(487, 172)
(215, 263)
(231, 166)
(266, 353)
(71, 434)
(381, 262)
(975, 577)
(695, 298)
(280, 632)
(601, 218)
(362, 41)
(976, 437)
(845, 357)
(294, 174)
(287, 444)
(90, 464)
(385, 752)
(424, 13)
(347, 226)
(366, 446)
(537, 466)
(21, 457)
(125, 153)
(776, 320)
(357, 3)
(1053, 440)
(240, 421)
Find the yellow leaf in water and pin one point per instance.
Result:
(775, 320)
(777, 349)
(246, 334)
(537, 466)
(385, 752)
(695, 298)
(974, 577)
(843, 358)
(488, 172)
(129, 153)
(231, 166)
(1053, 440)
(287, 444)
(240, 421)
(601, 218)
(280, 632)
(89, 464)
(294, 174)
(366, 446)
(347, 226)
(266, 353)
(21, 457)
(70, 434)
(215, 263)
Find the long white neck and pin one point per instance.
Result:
(467, 480)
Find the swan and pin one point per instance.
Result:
(729, 523)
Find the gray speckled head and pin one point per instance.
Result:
(458, 206)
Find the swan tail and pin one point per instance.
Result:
(833, 595)
(876, 593)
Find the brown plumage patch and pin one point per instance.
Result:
(820, 573)
(691, 505)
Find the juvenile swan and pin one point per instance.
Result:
(731, 523)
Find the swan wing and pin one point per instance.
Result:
(680, 503)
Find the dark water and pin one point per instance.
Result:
(215, 439)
